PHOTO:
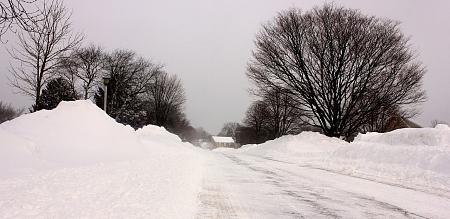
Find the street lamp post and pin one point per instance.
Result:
(105, 82)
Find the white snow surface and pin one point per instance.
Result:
(77, 162)
(76, 133)
(245, 186)
(418, 158)
(438, 136)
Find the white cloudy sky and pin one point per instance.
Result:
(208, 43)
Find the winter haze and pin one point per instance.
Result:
(208, 43)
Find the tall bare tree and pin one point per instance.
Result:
(84, 65)
(256, 118)
(275, 115)
(284, 115)
(334, 61)
(67, 69)
(130, 78)
(166, 96)
(41, 49)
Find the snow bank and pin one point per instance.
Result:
(415, 157)
(418, 157)
(76, 133)
(306, 146)
(223, 149)
(438, 136)
(159, 136)
(80, 163)
(16, 154)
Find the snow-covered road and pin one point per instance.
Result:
(244, 186)
(54, 165)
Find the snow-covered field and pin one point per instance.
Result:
(76, 162)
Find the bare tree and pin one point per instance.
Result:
(41, 49)
(378, 120)
(130, 78)
(178, 123)
(284, 117)
(21, 13)
(67, 69)
(85, 65)
(7, 112)
(166, 95)
(436, 122)
(275, 115)
(334, 61)
(229, 129)
(256, 118)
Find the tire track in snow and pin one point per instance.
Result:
(440, 192)
(232, 190)
(332, 205)
(277, 180)
(214, 204)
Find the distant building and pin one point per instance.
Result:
(227, 142)
(398, 122)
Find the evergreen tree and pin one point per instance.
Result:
(57, 90)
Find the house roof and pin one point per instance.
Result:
(220, 139)
(412, 124)
(399, 122)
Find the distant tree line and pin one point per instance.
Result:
(329, 69)
(52, 66)
(273, 116)
(7, 112)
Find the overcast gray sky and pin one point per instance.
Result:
(208, 43)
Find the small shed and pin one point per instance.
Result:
(220, 141)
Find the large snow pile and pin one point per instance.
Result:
(149, 133)
(423, 149)
(412, 157)
(77, 162)
(75, 133)
(438, 136)
(304, 147)
(16, 154)
(417, 157)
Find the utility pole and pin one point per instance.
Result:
(105, 82)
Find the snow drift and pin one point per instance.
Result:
(413, 157)
(53, 163)
(425, 149)
(438, 136)
(16, 154)
(75, 133)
